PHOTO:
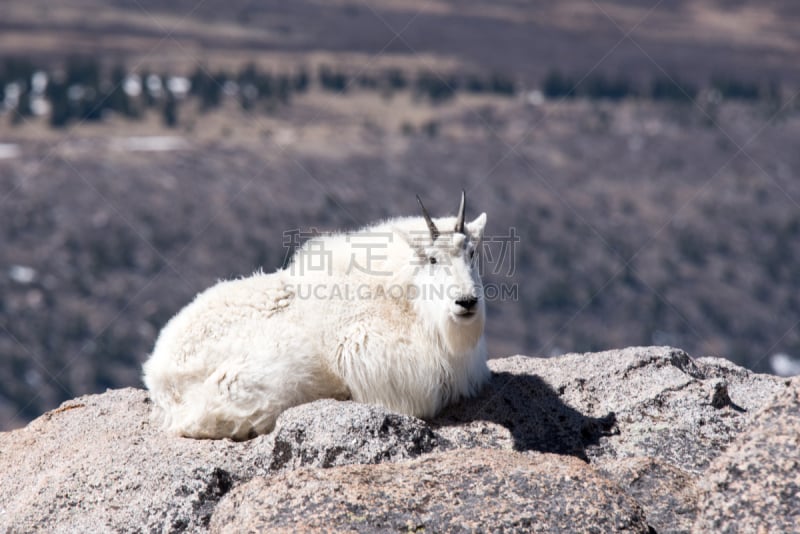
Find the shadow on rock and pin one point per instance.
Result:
(524, 413)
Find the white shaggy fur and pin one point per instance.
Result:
(245, 350)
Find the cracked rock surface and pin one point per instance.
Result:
(455, 491)
(633, 439)
(754, 486)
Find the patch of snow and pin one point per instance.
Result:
(784, 365)
(155, 143)
(535, 98)
(250, 91)
(285, 137)
(11, 95)
(179, 85)
(9, 150)
(75, 92)
(154, 85)
(40, 106)
(38, 82)
(22, 274)
(33, 378)
(230, 88)
(132, 85)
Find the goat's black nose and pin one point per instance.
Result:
(467, 302)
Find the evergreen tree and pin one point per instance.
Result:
(207, 88)
(332, 80)
(60, 110)
(301, 81)
(396, 79)
(599, 86)
(170, 111)
(283, 88)
(117, 99)
(730, 88)
(671, 88)
(148, 97)
(435, 87)
(84, 72)
(556, 85)
(23, 109)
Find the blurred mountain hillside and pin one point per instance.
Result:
(640, 189)
(753, 40)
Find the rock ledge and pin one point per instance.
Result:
(640, 439)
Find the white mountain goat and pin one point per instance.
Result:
(392, 314)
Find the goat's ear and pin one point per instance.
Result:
(476, 227)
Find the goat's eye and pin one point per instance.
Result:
(432, 260)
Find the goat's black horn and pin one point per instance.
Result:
(462, 210)
(432, 227)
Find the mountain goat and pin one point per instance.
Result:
(392, 314)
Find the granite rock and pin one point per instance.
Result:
(475, 490)
(754, 486)
(652, 436)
